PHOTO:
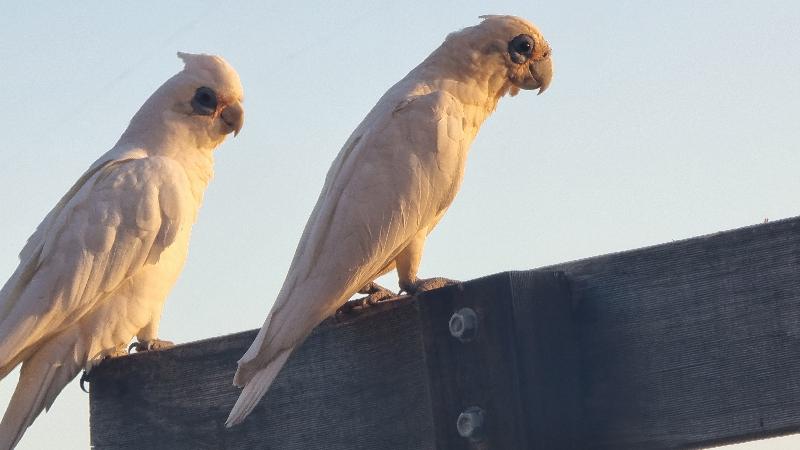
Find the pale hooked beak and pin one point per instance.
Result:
(233, 116)
(542, 72)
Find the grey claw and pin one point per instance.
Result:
(84, 379)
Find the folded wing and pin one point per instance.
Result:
(117, 218)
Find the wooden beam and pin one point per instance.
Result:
(691, 343)
(684, 344)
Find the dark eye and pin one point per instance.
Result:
(204, 101)
(520, 48)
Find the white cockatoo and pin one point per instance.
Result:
(391, 184)
(97, 270)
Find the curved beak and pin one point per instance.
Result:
(233, 116)
(542, 72)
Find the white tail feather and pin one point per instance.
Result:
(257, 345)
(41, 379)
(255, 388)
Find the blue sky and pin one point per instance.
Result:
(665, 120)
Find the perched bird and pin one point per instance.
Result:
(97, 270)
(391, 184)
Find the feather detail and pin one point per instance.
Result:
(256, 388)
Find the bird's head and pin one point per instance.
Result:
(199, 106)
(210, 94)
(507, 48)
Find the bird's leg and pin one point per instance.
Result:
(119, 350)
(150, 345)
(146, 339)
(375, 293)
(418, 285)
(408, 264)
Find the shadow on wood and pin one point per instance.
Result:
(691, 343)
(679, 345)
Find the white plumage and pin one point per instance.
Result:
(97, 270)
(391, 184)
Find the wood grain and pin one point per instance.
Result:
(480, 373)
(351, 385)
(685, 344)
(691, 343)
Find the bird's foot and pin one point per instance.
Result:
(426, 284)
(375, 294)
(119, 350)
(152, 345)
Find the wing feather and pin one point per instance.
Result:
(380, 191)
(111, 223)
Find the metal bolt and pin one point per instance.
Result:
(470, 423)
(464, 324)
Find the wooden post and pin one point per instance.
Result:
(520, 368)
(685, 344)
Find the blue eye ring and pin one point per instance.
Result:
(521, 48)
(204, 101)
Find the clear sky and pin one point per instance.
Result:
(665, 120)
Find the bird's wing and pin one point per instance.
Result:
(391, 179)
(118, 217)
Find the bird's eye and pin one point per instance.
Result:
(204, 101)
(520, 48)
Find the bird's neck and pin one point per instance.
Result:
(191, 148)
(477, 90)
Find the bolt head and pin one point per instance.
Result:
(464, 324)
(470, 423)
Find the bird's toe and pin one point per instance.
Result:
(426, 284)
(375, 294)
(151, 345)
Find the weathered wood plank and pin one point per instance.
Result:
(693, 342)
(352, 385)
(679, 345)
